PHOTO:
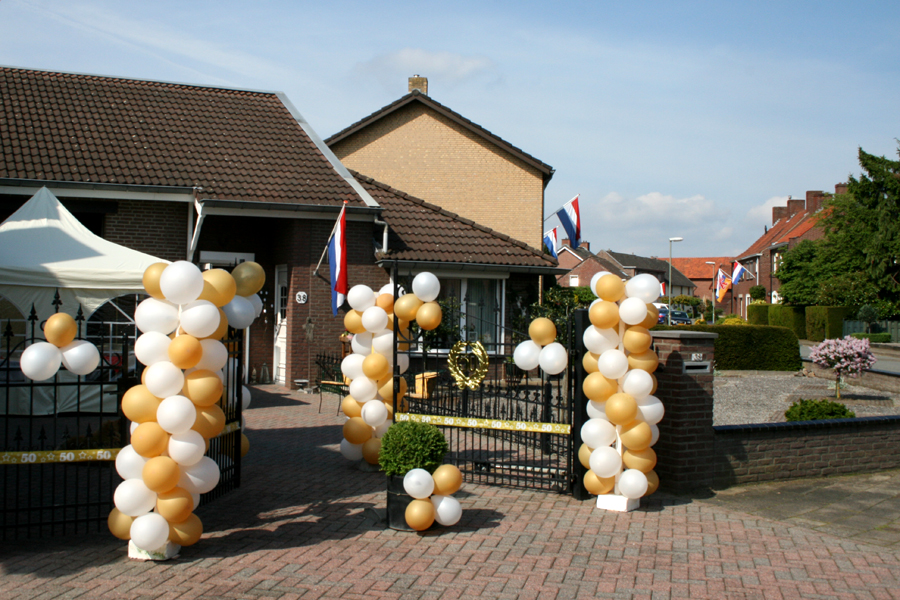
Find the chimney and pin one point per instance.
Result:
(795, 206)
(420, 84)
(586, 246)
(840, 188)
(814, 201)
(779, 212)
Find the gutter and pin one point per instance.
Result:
(457, 266)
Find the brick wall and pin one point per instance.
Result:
(431, 157)
(157, 228)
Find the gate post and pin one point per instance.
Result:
(579, 404)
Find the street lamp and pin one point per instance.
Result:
(709, 262)
(669, 291)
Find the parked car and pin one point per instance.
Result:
(679, 317)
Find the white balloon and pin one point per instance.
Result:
(201, 477)
(553, 358)
(633, 483)
(382, 429)
(351, 366)
(133, 498)
(187, 448)
(418, 483)
(240, 312)
(637, 383)
(374, 319)
(654, 434)
(360, 297)
(150, 532)
(597, 433)
(613, 364)
(350, 451)
(605, 461)
(214, 357)
(383, 342)
(200, 318)
(156, 315)
(374, 413)
(387, 288)
(164, 379)
(426, 287)
(447, 510)
(363, 389)
(176, 414)
(132, 427)
(245, 398)
(599, 341)
(650, 409)
(40, 361)
(152, 347)
(527, 355)
(80, 357)
(257, 303)
(403, 362)
(632, 311)
(130, 464)
(644, 287)
(181, 282)
(596, 410)
(595, 279)
(361, 343)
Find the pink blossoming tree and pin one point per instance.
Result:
(847, 357)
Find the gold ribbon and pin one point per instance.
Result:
(58, 456)
(558, 428)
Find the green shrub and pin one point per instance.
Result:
(792, 317)
(731, 321)
(817, 410)
(409, 445)
(758, 292)
(758, 314)
(875, 338)
(751, 347)
(825, 322)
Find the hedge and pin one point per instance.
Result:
(825, 322)
(750, 347)
(792, 317)
(758, 314)
(875, 338)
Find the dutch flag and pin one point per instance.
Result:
(550, 241)
(571, 221)
(337, 261)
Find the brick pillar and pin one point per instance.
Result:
(686, 446)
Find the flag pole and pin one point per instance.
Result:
(328, 241)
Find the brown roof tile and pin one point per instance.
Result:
(696, 268)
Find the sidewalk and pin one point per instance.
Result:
(298, 528)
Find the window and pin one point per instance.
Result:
(473, 311)
(573, 280)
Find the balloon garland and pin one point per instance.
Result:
(41, 361)
(433, 497)
(176, 409)
(541, 350)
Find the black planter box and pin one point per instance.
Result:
(397, 501)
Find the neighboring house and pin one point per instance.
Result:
(582, 265)
(702, 274)
(632, 265)
(426, 149)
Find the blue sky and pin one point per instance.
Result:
(687, 119)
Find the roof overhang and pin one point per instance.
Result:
(469, 267)
(87, 189)
(272, 210)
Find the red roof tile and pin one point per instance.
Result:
(696, 268)
(781, 232)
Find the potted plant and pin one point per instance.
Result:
(405, 446)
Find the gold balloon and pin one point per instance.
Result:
(357, 431)
(210, 421)
(637, 339)
(598, 485)
(652, 317)
(353, 322)
(429, 316)
(219, 287)
(375, 366)
(186, 533)
(636, 435)
(621, 409)
(652, 482)
(642, 460)
(542, 331)
(589, 362)
(249, 278)
(447, 480)
(610, 288)
(160, 474)
(139, 405)
(598, 387)
(119, 524)
(203, 387)
(390, 408)
(245, 445)
(185, 351)
(584, 456)
(220, 331)
(655, 383)
(407, 306)
(371, 448)
(387, 389)
(351, 407)
(149, 439)
(385, 301)
(646, 361)
(420, 514)
(604, 315)
(176, 505)
(151, 279)
(60, 329)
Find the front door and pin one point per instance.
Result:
(281, 293)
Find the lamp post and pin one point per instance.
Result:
(669, 291)
(709, 262)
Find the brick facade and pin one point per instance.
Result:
(157, 228)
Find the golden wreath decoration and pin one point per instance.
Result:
(460, 361)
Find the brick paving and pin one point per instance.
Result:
(299, 527)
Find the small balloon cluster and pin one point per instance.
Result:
(541, 349)
(41, 360)
(432, 497)
(369, 368)
(619, 364)
(176, 409)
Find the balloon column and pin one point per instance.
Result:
(41, 360)
(541, 349)
(176, 409)
(432, 497)
(369, 368)
(619, 384)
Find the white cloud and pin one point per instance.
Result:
(761, 215)
(450, 68)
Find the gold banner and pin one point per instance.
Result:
(559, 428)
(58, 456)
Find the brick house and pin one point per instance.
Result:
(581, 264)
(702, 274)
(632, 265)
(426, 149)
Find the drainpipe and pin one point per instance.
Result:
(198, 206)
(384, 238)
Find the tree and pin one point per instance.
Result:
(799, 285)
(758, 292)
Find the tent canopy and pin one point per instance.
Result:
(43, 248)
